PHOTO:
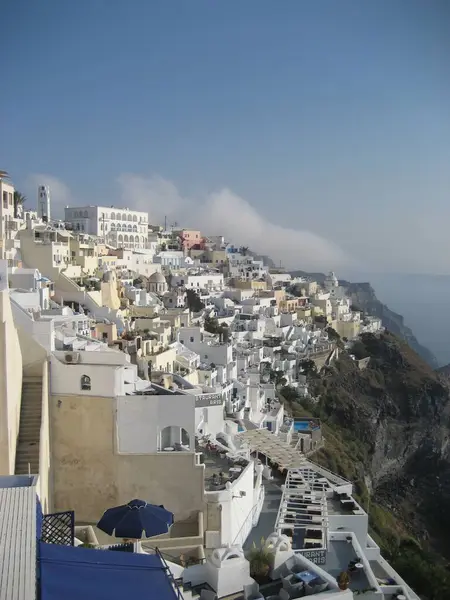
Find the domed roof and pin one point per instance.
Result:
(157, 277)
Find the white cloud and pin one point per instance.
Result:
(60, 194)
(225, 213)
(218, 213)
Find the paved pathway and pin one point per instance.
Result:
(268, 515)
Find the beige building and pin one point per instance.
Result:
(106, 332)
(10, 379)
(211, 258)
(249, 284)
(348, 329)
(92, 472)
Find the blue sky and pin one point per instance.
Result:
(321, 128)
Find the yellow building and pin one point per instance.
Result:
(242, 284)
(304, 313)
(348, 329)
(289, 304)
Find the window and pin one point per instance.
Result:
(5, 199)
(10, 199)
(85, 382)
(192, 338)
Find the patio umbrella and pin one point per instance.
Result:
(134, 519)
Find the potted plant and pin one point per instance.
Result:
(343, 580)
(260, 560)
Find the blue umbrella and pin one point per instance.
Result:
(133, 519)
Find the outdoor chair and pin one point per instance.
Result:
(293, 587)
(251, 592)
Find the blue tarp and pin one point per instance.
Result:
(86, 574)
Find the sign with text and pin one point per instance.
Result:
(318, 557)
(208, 400)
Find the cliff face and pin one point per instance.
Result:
(363, 296)
(397, 411)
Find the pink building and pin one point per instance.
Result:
(191, 238)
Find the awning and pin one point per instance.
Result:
(82, 573)
(276, 450)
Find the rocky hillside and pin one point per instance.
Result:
(363, 296)
(387, 429)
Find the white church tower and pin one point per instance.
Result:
(43, 206)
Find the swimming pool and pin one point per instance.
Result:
(301, 425)
(305, 425)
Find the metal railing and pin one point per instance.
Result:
(170, 575)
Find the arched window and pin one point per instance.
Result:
(113, 215)
(135, 228)
(78, 227)
(120, 239)
(113, 226)
(124, 217)
(135, 218)
(174, 437)
(85, 214)
(130, 227)
(136, 239)
(125, 238)
(85, 382)
(130, 218)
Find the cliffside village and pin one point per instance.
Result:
(146, 362)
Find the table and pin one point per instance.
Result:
(306, 576)
(360, 566)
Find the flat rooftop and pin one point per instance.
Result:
(219, 470)
(339, 555)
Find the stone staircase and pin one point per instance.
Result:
(28, 443)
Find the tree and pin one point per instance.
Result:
(332, 334)
(19, 201)
(308, 367)
(278, 378)
(193, 301)
(244, 250)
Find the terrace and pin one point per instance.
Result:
(341, 556)
(220, 467)
(303, 510)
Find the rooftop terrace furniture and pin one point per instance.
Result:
(293, 587)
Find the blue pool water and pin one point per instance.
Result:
(301, 425)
